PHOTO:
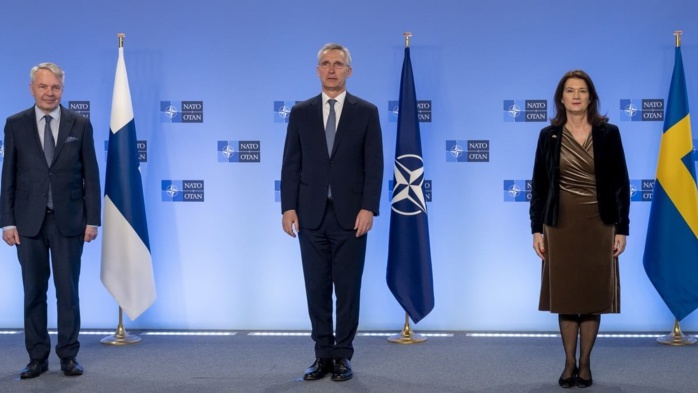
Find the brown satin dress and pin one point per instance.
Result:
(580, 274)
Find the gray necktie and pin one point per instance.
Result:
(330, 131)
(331, 127)
(49, 149)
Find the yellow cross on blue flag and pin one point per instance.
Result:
(671, 247)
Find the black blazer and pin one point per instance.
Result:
(612, 183)
(354, 169)
(74, 176)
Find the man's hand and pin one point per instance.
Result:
(364, 222)
(90, 233)
(10, 236)
(289, 222)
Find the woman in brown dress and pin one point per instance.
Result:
(580, 200)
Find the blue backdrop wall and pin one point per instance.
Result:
(486, 72)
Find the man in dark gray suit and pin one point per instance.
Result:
(50, 203)
(330, 190)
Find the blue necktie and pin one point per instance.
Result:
(49, 149)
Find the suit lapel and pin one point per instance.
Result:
(597, 137)
(64, 128)
(316, 114)
(317, 122)
(30, 118)
(344, 120)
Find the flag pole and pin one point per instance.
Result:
(676, 337)
(120, 337)
(407, 336)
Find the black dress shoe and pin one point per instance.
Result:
(584, 383)
(318, 370)
(568, 382)
(342, 370)
(71, 367)
(34, 369)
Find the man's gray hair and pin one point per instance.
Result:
(54, 68)
(332, 46)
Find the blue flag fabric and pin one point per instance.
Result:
(127, 269)
(409, 255)
(671, 247)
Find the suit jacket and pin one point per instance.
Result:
(612, 183)
(354, 170)
(73, 174)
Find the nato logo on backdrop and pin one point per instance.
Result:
(282, 110)
(182, 111)
(423, 111)
(642, 109)
(516, 111)
(517, 190)
(182, 190)
(468, 150)
(277, 190)
(141, 147)
(239, 151)
(81, 107)
(641, 190)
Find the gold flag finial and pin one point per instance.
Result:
(121, 39)
(677, 34)
(407, 35)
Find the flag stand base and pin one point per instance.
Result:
(120, 337)
(407, 336)
(676, 338)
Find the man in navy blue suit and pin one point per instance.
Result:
(330, 190)
(49, 204)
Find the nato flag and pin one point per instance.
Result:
(409, 273)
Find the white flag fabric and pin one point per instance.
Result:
(127, 266)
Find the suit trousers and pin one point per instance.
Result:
(33, 255)
(332, 257)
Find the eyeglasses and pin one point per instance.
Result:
(337, 65)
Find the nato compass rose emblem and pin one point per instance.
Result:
(514, 111)
(633, 190)
(630, 110)
(408, 194)
(514, 191)
(395, 111)
(171, 112)
(284, 112)
(457, 151)
(228, 151)
(172, 190)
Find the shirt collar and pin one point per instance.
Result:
(340, 98)
(55, 114)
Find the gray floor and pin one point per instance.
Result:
(245, 363)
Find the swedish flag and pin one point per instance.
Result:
(671, 247)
